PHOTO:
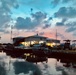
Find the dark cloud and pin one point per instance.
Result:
(39, 16)
(8, 4)
(5, 11)
(70, 29)
(61, 23)
(66, 12)
(50, 18)
(66, 1)
(4, 19)
(46, 26)
(47, 23)
(24, 23)
(71, 26)
(64, 20)
(1, 30)
(37, 19)
(55, 2)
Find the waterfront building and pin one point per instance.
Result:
(35, 39)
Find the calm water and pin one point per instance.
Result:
(10, 66)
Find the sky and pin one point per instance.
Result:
(45, 17)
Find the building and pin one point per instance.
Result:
(35, 39)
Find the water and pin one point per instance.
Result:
(10, 66)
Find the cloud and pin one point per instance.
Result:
(23, 23)
(59, 24)
(5, 11)
(30, 23)
(68, 15)
(46, 26)
(1, 30)
(66, 1)
(66, 12)
(47, 23)
(39, 16)
(50, 18)
(55, 2)
(62, 23)
(71, 27)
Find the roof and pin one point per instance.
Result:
(35, 37)
(18, 37)
(67, 40)
(74, 40)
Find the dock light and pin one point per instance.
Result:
(25, 43)
(41, 42)
(27, 54)
(51, 44)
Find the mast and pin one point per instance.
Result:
(56, 34)
(11, 34)
(0, 39)
(56, 37)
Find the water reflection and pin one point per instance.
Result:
(26, 67)
(66, 67)
(9, 66)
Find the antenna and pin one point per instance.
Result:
(0, 39)
(37, 33)
(56, 37)
(56, 34)
(11, 33)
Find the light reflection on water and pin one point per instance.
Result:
(10, 66)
